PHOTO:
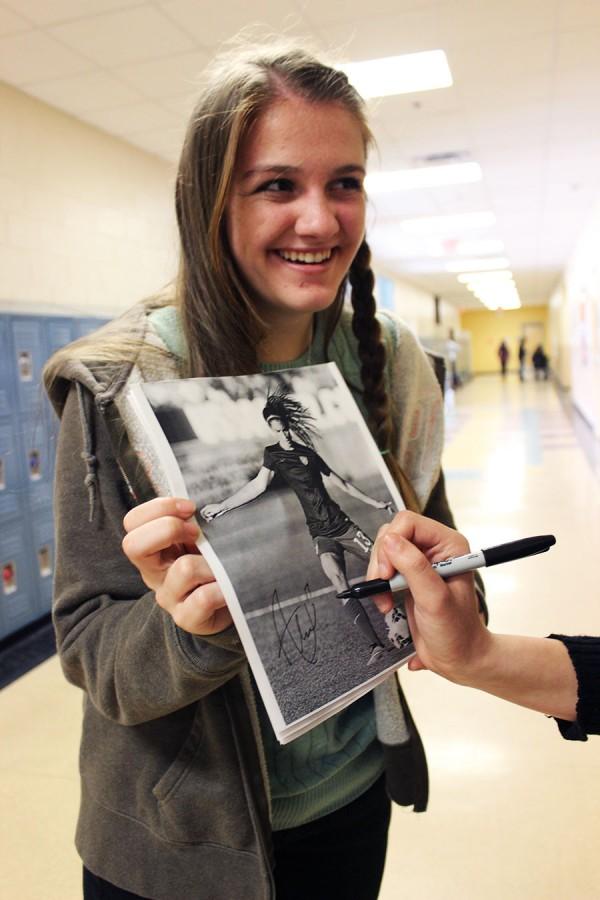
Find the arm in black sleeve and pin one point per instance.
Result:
(584, 653)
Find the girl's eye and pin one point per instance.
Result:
(277, 186)
(349, 183)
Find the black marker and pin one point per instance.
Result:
(456, 566)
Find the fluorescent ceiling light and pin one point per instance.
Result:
(404, 74)
(495, 292)
(423, 177)
(501, 304)
(475, 248)
(477, 265)
(448, 224)
(485, 277)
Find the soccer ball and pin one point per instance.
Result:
(397, 627)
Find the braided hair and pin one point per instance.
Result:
(372, 355)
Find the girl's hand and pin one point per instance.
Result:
(160, 542)
(443, 616)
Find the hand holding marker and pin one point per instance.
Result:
(457, 566)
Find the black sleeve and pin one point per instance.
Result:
(584, 653)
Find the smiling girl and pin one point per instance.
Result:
(186, 795)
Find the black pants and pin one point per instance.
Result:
(338, 857)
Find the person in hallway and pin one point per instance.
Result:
(558, 675)
(522, 358)
(452, 349)
(185, 792)
(540, 363)
(503, 354)
(299, 465)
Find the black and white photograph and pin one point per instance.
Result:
(284, 462)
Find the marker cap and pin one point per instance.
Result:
(518, 549)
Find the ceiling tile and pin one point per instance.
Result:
(358, 37)
(576, 13)
(336, 11)
(168, 76)
(85, 93)
(41, 12)
(34, 56)
(131, 120)
(11, 23)
(473, 22)
(127, 36)
(579, 49)
(487, 62)
(213, 24)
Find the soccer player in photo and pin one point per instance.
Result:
(304, 471)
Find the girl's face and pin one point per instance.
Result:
(296, 213)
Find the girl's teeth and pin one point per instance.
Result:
(295, 256)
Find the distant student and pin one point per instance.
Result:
(503, 354)
(540, 363)
(522, 358)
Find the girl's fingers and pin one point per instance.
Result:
(406, 558)
(144, 544)
(156, 509)
(203, 611)
(193, 598)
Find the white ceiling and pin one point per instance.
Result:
(524, 103)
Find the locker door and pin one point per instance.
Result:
(42, 556)
(87, 324)
(11, 483)
(59, 331)
(35, 454)
(17, 593)
(28, 357)
(7, 374)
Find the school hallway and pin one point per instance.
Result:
(514, 809)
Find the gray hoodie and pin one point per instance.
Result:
(174, 793)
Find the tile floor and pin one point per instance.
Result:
(514, 810)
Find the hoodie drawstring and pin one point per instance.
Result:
(87, 454)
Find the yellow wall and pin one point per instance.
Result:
(488, 328)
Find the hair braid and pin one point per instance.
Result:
(372, 354)
(371, 349)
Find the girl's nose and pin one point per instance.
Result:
(317, 217)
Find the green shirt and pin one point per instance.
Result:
(339, 759)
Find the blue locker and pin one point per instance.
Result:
(87, 324)
(42, 556)
(7, 373)
(59, 331)
(35, 455)
(29, 355)
(11, 480)
(18, 599)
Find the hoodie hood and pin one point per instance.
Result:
(100, 384)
